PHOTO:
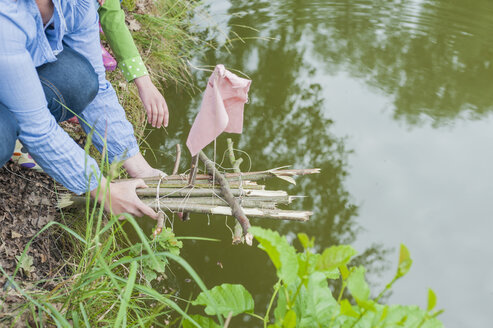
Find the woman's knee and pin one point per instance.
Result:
(70, 82)
(9, 130)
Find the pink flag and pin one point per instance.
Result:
(221, 109)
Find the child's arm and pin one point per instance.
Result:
(112, 19)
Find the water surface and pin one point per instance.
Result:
(393, 101)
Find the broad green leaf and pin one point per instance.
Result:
(335, 256)
(227, 298)
(357, 285)
(318, 304)
(347, 309)
(405, 262)
(204, 322)
(410, 316)
(385, 312)
(344, 271)
(303, 265)
(432, 300)
(368, 305)
(280, 252)
(305, 241)
(282, 306)
(307, 264)
(332, 274)
(289, 320)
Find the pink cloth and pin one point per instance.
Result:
(221, 109)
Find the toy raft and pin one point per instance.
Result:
(237, 194)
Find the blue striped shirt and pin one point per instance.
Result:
(24, 45)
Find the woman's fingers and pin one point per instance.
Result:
(155, 115)
(165, 114)
(146, 210)
(142, 208)
(140, 183)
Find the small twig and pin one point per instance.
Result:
(177, 161)
(228, 319)
(266, 213)
(191, 181)
(250, 176)
(160, 223)
(237, 235)
(236, 209)
(201, 192)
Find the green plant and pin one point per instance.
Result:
(166, 41)
(111, 277)
(165, 241)
(302, 296)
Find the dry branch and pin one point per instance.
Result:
(275, 214)
(250, 176)
(177, 161)
(191, 181)
(199, 192)
(71, 200)
(237, 234)
(184, 202)
(236, 209)
(205, 184)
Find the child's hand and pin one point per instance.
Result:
(101, 2)
(154, 103)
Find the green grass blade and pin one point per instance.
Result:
(126, 295)
(84, 315)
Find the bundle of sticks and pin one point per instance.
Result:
(236, 194)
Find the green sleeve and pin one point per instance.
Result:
(112, 19)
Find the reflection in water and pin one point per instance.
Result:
(431, 58)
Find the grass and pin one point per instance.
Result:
(109, 284)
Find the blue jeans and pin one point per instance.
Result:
(70, 82)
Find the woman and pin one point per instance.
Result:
(50, 59)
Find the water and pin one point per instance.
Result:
(393, 100)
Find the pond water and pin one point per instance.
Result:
(393, 101)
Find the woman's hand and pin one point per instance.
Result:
(124, 199)
(154, 103)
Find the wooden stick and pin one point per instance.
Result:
(177, 161)
(204, 185)
(236, 162)
(199, 192)
(237, 230)
(71, 200)
(236, 209)
(251, 176)
(210, 201)
(275, 214)
(191, 181)
(180, 205)
(193, 170)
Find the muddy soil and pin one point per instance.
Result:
(27, 204)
